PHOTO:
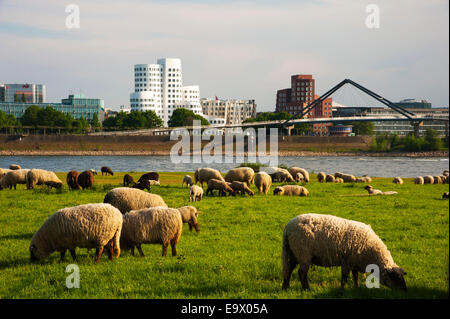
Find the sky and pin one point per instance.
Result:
(231, 49)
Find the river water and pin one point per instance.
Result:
(372, 166)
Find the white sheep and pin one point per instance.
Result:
(39, 176)
(328, 241)
(126, 199)
(330, 178)
(428, 180)
(294, 170)
(240, 174)
(189, 215)
(4, 171)
(85, 226)
(419, 180)
(195, 193)
(14, 177)
(14, 166)
(156, 225)
(373, 191)
(397, 180)
(263, 181)
(291, 190)
(205, 174)
(321, 177)
(187, 179)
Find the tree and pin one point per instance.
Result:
(95, 122)
(7, 120)
(269, 116)
(29, 117)
(363, 128)
(133, 120)
(185, 117)
(432, 141)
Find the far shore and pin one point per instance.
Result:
(166, 153)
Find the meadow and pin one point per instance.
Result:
(237, 253)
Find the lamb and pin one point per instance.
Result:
(155, 225)
(428, 180)
(437, 180)
(291, 190)
(328, 241)
(205, 174)
(187, 179)
(397, 180)
(72, 180)
(329, 178)
(107, 170)
(37, 176)
(263, 181)
(419, 180)
(195, 193)
(445, 195)
(373, 191)
(127, 180)
(338, 180)
(14, 177)
(4, 171)
(86, 179)
(85, 226)
(240, 174)
(189, 215)
(242, 188)
(143, 184)
(321, 177)
(14, 167)
(294, 170)
(220, 185)
(126, 199)
(153, 176)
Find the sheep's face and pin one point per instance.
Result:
(393, 278)
(36, 254)
(368, 187)
(278, 191)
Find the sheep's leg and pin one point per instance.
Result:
(63, 253)
(344, 275)
(355, 277)
(132, 250)
(98, 254)
(164, 252)
(288, 268)
(174, 248)
(303, 276)
(110, 250)
(140, 250)
(72, 253)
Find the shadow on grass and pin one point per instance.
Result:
(382, 293)
(17, 236)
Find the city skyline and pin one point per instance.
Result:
(226, 55)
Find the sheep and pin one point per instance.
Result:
(428, 180)
(144, 184)
(329, 178)
(437, 180)
(187, 179)
(85, 226)
(220, 185)
(445, 195)
(86, 179)
(299, 177)
(195, 193)
(321, 177)
(263, 181)
(348, 178)
(282, 175)
(154, 176)
(240, 187)
(329, 241)
(205, 174)
(240, 174)
(446, 180)
(127, 180)
(446, 173)
(14, 167)
(291, 190)
(338, 180)
(189, 215)
(14, 177)
(4, 171)
(126, 199)
(155, 225)
(72, 179)
(397, 180)
(294, 170)
(37, 176)
(93, 171)
(363, 179)
(373, 191)
(107, 170)
(443, 179)
(419, 180)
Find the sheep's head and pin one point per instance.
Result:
(368, 187)
(193, 223)
(278, 191)
(393, 278)
(36, 253)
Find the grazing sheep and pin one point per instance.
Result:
(329, 241)
(126, 199)
(86, 179)
(14, 167)
(294, 170)
(72, 180)
(14, 177)
(240, 174)
(143, 184)
(348, 178)
(242, 188)
(428, 180)
(446, 180)
(187, 179)
(189, 215)
(419, 180)
(397, 180)
(205, 174)
(282, 175)
(299, 177)
(85, 226)
(445, 195)
(153, 176)
(263, 181)
(107, 170)
(373, 191)
(330, 178)
(338, 180)
(437, 180)
(220, 185)
(195, 193)
(93, 171)
(446, 173)
(363, 179)
(4, 171)
(321, 177)
(127, 180)
(37, 176)
(156, 225)
(291, 190)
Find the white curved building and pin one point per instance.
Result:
(159, 87)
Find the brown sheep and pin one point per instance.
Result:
(107, 170)
(153, 176)
(144, 184)
(445, 195)
(428, 180)
(242, 188)
(437, 180)
(330, 178)
(86, 179)
(72, 179)
(128, 180)
(221, 186)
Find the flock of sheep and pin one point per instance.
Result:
(129, 217)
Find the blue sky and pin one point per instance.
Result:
(232, 49)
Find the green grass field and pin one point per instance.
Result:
(237, 253)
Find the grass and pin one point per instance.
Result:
(237, 253)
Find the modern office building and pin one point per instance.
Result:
(414, 104)
(159, 87)
(233, 111)
(26, 93)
